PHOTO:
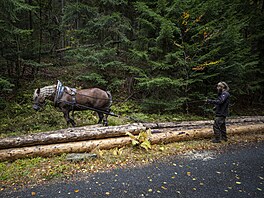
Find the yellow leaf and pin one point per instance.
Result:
(107, 193)
(115, 152)
(131, 135)
(238, 183)
(135, 142)
(189, 173)
(150, 190)
(76, 191)
(186, 15)
(163, 187)
(33, 193)
(146, 145)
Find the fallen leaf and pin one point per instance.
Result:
(107, 193)
(259, 189)
(189, 173)
(150, 190)
(163, 187)
(238, 183)
(33, 193)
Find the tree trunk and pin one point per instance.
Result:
(96, 132)
(70, 135)
(87, 146)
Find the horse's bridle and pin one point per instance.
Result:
(38, 106)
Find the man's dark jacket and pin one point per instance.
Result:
(221, 104)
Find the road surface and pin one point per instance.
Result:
(236, 172)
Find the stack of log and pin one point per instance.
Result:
(85, 139)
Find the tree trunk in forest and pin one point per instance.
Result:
(87, 146)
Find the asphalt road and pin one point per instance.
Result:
(236, 172)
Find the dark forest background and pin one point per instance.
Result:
(155, 56)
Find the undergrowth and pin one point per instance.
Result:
(19, 118)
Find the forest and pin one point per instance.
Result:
(159, 58)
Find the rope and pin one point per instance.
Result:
(89, 108)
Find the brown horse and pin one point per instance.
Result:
(68, 99)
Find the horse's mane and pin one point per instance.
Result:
(45, 91)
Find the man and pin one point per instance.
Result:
(221, 112)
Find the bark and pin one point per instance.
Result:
(70, 135)
(203, 123)
(87, 146)
(98, 132)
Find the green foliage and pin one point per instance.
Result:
(162, 55)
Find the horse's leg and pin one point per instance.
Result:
(67, 117)
(105, 122)
(72, 120)
(101, 116)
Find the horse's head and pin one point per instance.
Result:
(38, 100)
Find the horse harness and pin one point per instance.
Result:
(60, 89)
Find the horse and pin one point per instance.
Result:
(69, 99)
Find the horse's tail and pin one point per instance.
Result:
(110, 98)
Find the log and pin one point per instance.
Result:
(203, 123)
(70, 135)
(176, 136)
(87, 146)
(97, 132)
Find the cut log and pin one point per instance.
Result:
(87, 146)
(70, 135)
(98, 132)
(203, 123)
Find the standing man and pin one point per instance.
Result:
(221, 112)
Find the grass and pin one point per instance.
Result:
(27, 172)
